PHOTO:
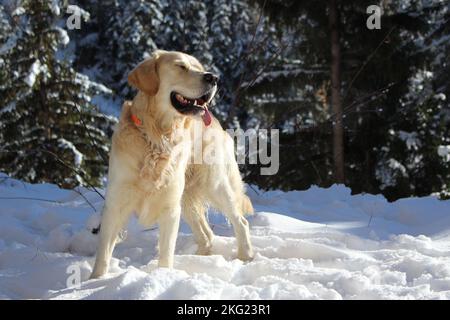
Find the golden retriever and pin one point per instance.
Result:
(154, 167)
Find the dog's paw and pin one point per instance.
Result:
(100, 269)
(96, 274)
(247, 255)
(203, 251)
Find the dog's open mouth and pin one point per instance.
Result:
(192, 106)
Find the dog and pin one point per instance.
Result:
(152, 167)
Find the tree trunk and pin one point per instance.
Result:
(336, 103)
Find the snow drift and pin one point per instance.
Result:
(314, 244)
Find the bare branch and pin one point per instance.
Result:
(30, 198)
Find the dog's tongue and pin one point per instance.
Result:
(206, 117)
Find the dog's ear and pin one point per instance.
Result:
(145, 76)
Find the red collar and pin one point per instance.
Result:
(136, 120)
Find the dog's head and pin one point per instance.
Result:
(178, 82)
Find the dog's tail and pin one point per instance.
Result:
(246, 204)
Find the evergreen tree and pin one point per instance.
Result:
(230, 24)
(275, 72)
(5, 30)
(375, 66)
(121, 34)
(185, 28)
(50, 132)
(415, 158)
(218, 33)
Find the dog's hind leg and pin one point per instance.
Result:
(115, 215)
(194, 213)
(228, 202)
(206, 229)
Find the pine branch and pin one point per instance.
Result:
(372, 54)
(61, 161)
(247, 57)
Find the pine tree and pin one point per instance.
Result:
(218, 33)
(126, 38)
(50, 132)
(230, 37)
(5, 30)
(415, 159)
(185, 28)
(375, 67)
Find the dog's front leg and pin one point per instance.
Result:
(115, 215)
(169, 222)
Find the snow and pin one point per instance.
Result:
(34, 71)
(110, 106)
(18, 11)
(273, 75)
(55, 7)
(78, 156)
(63, 36)
(10, 44)
(444, 152)
(395, 165)
(313, 244)
(411, 139)
(440, 96)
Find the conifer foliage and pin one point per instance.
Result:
(50, 132)
(274, 62)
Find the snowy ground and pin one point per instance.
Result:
(315, 244)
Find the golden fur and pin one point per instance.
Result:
(152, 169)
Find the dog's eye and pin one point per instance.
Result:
(183, 67)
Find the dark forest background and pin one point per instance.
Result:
(367, 108)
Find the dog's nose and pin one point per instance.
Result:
(210, 78)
